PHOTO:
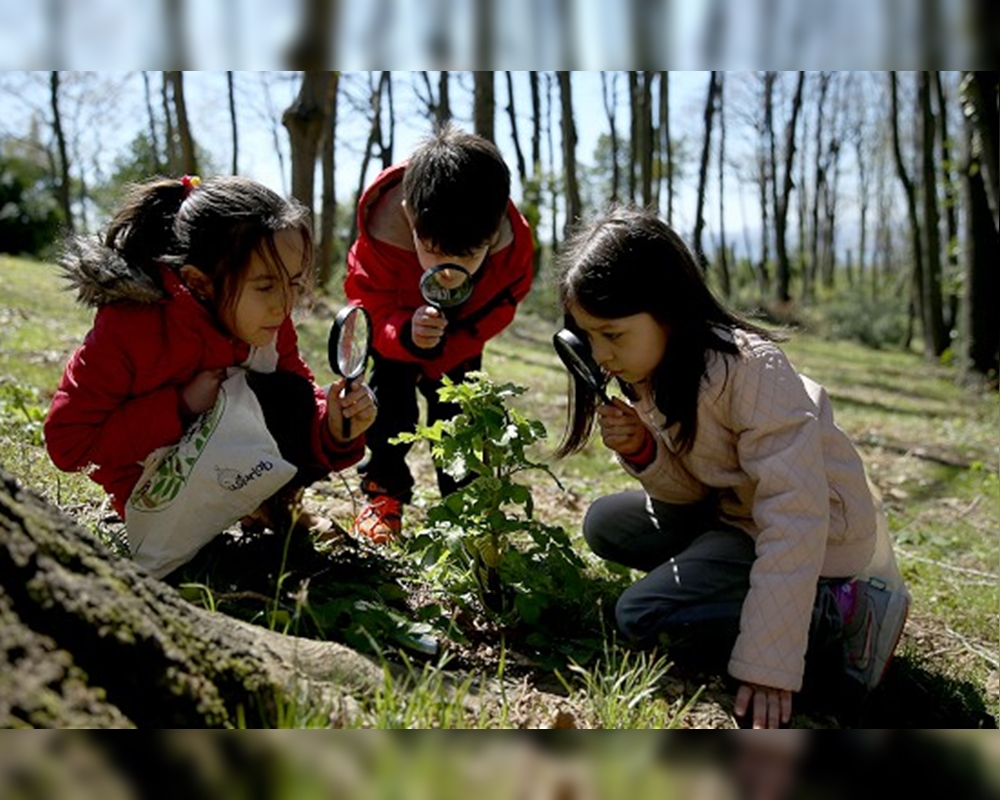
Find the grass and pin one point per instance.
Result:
(930, 446)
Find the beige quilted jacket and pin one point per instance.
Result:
(767, 445)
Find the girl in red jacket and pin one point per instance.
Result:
(192, 278)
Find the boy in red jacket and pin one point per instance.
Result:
(449, 204)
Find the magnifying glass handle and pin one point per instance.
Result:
(346, 427)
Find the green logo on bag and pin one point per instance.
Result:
(166, 483)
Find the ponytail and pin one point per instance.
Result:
(142, 230)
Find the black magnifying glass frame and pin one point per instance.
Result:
(348, 348)
(441, 297)
(575, 354)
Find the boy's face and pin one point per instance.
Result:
(430, 257)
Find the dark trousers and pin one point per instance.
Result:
(697, 577)
(395, 384)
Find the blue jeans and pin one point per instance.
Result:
(697, 577)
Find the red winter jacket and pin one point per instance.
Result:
(385, 279)
(119, 397)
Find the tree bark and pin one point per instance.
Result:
(522, 171)
(63, 188)
(189, 160)
(483, 105)
(706, 150)
(783, 270)
(610, 97)
(89, 639)
(950, 205)
(916, 238)
(573, 205)
(933, 320)
(668, 147)
(232, 122)
(981, 324)
(724, 278)
(328, 214)
(304, 119)
(153, 139)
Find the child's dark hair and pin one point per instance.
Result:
(456, 187)
(215, 226)
(628, 262)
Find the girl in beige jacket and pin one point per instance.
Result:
(755, 514)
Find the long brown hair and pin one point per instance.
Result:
(628, 262)
(215, 226)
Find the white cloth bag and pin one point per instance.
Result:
(225, 465)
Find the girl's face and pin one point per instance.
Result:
(267, 294)
(629, 348)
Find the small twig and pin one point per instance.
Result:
(943, 565)
(974, 649)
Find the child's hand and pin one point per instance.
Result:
(201, 393)
(772, 707)
(621, 428)
(427, 327)
(357, 405)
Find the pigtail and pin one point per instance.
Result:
(142, 230)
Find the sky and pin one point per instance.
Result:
(115, 112)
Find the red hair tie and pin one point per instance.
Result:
(190, 183)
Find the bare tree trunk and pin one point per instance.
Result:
(173, 159)
(189, 161)
(96, 642)
(328, 214)
(950, 206)
(374, 137)
(610, 97)
(232, 119)
(916, 237)
(711, 99)
(765, 172)
(933, 311)
(552, 162)
(177, 56)
(819, 184)
(483, 105)
(522, 172)
(304, 120)
(444, 100)
(536, 126)
(633, 155)
(723, 254)
(981, 323)
(312, 45)
(644, 142)
(64, 181)
(982, 96)
(388, 148)
(668, 146)
(573, 205)
(153, 139)
(783, 283)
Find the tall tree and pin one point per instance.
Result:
(765, 177)
(153, 138)
(667, 148)
(374, 138)
(305, 120)
(232, 122)
(522, 171)
(63, 187)
(643, 144)
(981, 323)
(172, 155)
(328, 212)
(934, 328)
(916, 237)
(782, 196)
(950, 204)
(536, 125)
(723, 247)
(711, 101)
(188, 159)
(484, 105)
(609, 94)
(573, 205)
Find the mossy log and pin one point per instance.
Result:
(89, 639)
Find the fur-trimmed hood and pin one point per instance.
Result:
(99, 275)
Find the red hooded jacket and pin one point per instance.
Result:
(385, 279)
(119, 397)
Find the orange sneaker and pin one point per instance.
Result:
(381, 520)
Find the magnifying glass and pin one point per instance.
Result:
(446, 285)
(575, 354)
(347, 348)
